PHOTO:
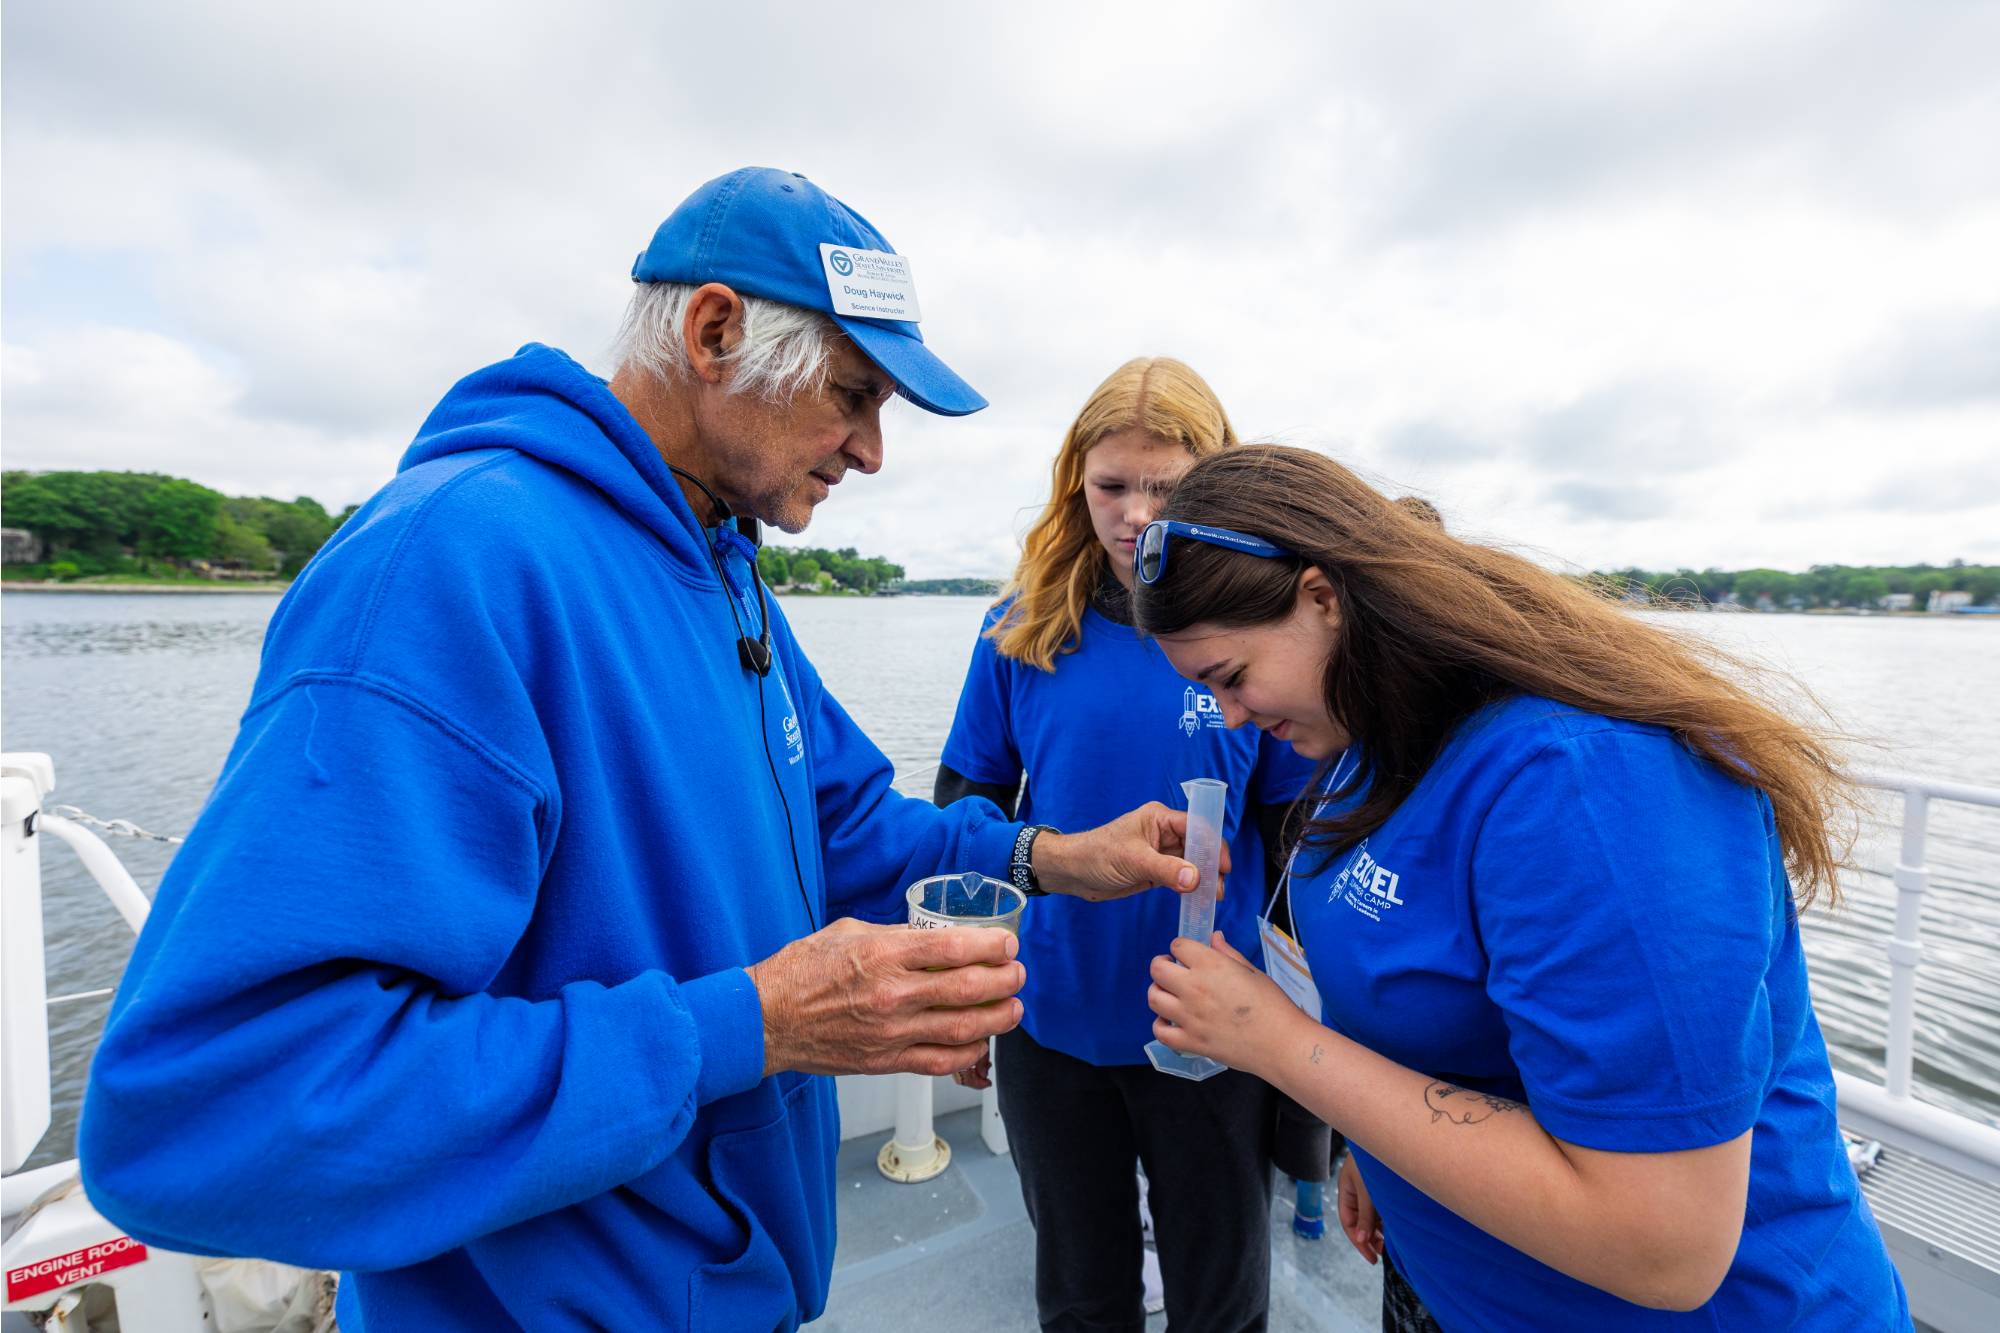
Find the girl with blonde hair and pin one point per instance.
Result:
(1064, 692)
(1548, 900)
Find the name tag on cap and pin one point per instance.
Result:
(870, 284)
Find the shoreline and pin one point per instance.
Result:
(22, 585)
(238, 588)
(273, 589)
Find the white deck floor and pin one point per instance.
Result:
(957, 1253)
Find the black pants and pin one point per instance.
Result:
(1076, 1129)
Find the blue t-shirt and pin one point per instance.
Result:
(1580, 913)
(1112, 727)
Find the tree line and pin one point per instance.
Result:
(150, 525)
(1853, 586)
(817, 569)
(950, 587)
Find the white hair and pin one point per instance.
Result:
(784, 350)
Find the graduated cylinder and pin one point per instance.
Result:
(1206, 799)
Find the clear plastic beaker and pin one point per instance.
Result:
(969, 899)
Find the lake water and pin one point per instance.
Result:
(136, 698)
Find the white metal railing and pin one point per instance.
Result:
(104, 867)
(56, 1241)
(24, 1064)
(1886, 1110)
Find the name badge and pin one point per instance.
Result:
(870, 284)
(1285, 963)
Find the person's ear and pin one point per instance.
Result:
(1317, 597)
(711, 329)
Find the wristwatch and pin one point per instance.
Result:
(1020, 866)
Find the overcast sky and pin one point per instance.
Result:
(1622, 283)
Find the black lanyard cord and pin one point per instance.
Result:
(755, 655)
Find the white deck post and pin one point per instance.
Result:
(913, 1110)
(1905, 948)
(991, 1127)
(914, 1152)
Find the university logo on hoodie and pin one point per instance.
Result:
(795, 738)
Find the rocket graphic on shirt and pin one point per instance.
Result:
(1198, 709)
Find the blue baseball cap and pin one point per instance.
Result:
(776, 235)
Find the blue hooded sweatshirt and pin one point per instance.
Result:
(446, 989)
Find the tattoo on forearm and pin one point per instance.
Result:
(1463, 1106)
(1317, 1052)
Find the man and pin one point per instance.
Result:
(497, 970)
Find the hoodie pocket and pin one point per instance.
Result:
(776, 1177)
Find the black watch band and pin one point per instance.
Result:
(1020, 866)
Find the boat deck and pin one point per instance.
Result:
(1942, 1228)
(957, 1252)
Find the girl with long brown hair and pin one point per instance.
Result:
(1547, 896)
(1064, 692)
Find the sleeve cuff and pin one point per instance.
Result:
(729, 1024)
(972, 769)
(1655, 1129)
(992, 847)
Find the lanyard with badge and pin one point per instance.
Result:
(1284, 956)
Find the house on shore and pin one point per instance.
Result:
(18, 546)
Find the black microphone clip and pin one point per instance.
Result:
(754, 655)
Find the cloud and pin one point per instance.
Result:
(1940, 359)
(140, 401)
(1557, 110)
(1640, 424)
(1933, 488)
(1508, 259)
(1435, 442)
(1634, 498)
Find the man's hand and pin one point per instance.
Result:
(860, 999)
(1135, 851)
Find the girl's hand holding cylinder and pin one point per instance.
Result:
(1213, 1001)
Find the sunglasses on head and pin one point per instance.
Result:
(1153, 542)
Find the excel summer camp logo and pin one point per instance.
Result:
(1198, 709)
(1367, 886)
(843, 263)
